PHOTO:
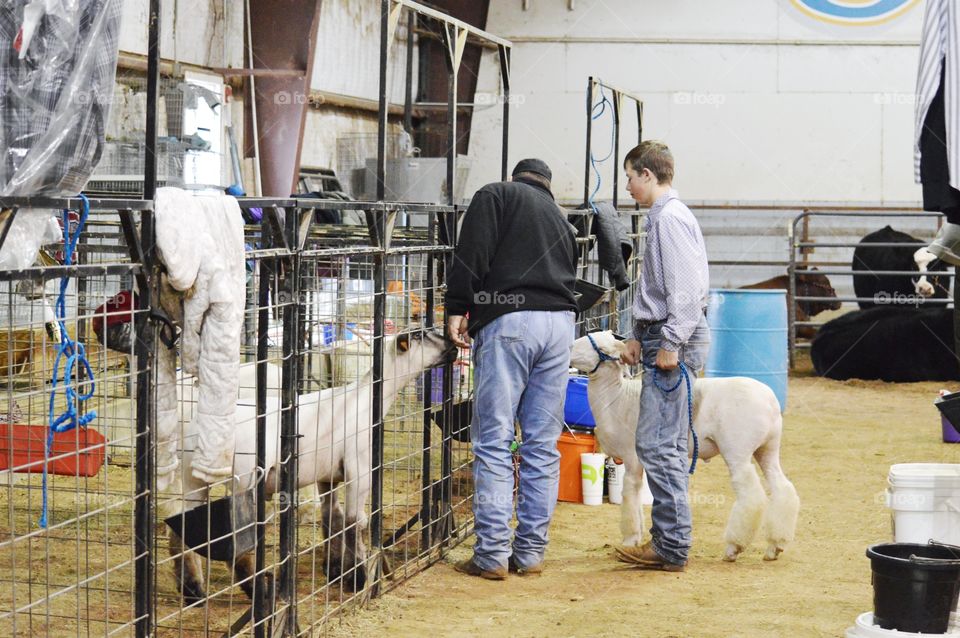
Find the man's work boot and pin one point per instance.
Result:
(646, 557)
(531, 570)
(472, 569)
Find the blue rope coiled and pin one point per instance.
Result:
(74, 354)
(684, 377)
(595, 115)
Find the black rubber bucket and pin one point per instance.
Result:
(914, 586)
(222, 530)
(949, 406)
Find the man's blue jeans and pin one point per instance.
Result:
(521, 363)
(662, 432)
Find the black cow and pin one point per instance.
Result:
(893, 289)
(889, 343)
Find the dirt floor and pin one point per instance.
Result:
(840, 440)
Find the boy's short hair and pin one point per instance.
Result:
(652, 155)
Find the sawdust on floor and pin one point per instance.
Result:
(840, 440)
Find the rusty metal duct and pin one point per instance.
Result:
(283, 37)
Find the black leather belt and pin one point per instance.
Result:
(644, 323)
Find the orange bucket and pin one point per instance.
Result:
(571, 446)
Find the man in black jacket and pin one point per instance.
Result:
(513, 273)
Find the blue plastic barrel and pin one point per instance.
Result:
(748, 329)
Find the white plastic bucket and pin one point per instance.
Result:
(924, 499)
(615, 474)
(864, 628)
(591, 478)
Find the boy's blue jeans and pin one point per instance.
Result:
(662, 431)
(521, 363)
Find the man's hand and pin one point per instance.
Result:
(631, 352)
(457, 330)
(667, 359)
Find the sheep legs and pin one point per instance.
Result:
(243, 570)
(187, 569)
(749, 503)
(631, 510)
(344, 550)
(780, 521)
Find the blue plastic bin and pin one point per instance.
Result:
(576, 407)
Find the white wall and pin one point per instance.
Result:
(758, 102)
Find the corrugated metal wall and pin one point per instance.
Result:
(209, 33)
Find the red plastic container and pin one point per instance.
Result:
(79, 452)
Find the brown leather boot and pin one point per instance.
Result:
(646, 557)
(516, 568)
(472, 569)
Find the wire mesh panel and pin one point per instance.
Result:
(210, 578)
(67, 496)
(614, 309)
(367, 522)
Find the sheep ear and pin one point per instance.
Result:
(403, 343)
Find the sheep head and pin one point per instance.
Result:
(412, 352)
(585, 358)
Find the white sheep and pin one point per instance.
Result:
(737, 417)
(335, 428)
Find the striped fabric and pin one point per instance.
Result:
(939, 44)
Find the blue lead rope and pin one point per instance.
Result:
(595, 115)
(74, 353)
(685, 377)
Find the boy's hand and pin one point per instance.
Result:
(667, 359)
(457, 330)
(631, 352)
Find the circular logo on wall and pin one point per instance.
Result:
(855, 13)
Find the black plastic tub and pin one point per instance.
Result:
(223, 530)
(949, 406)
(914, 586)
